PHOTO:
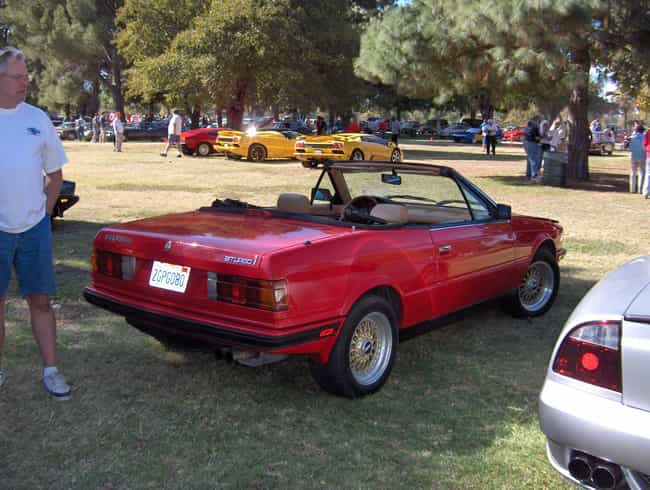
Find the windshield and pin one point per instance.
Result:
(417, 190)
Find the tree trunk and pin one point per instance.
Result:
(220, 117)
(485, 106)
(195, 116)
(578, 167)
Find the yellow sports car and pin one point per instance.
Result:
(257, 146)
(347, 146)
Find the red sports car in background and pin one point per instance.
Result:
(199, 141)
(374, 251)
(514, 134)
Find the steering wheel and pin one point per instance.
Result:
(358, 211)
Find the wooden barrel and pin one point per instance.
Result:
(555, 164)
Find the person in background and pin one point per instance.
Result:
(490, 136)
(595, 125)
(646, 181)
(382, 127)
(102, 127)
(394, 130)
(637, 158)
(118, 132)
(174, 130)
(79, 124)
(320, 125)
(353, 127)
(533, 150)
(30, 165)
(96, 124)
(554, 133)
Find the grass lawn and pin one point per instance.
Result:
(459, 410)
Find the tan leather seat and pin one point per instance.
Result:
(293, 203)
(391, 213)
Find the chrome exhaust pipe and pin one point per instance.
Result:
(606, 476)
(580, 466)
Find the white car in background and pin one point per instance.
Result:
(595, 404)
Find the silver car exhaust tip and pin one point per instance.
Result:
(580, 466)
(606, 476)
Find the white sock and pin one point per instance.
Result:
(49, 370)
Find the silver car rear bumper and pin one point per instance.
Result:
(573, 419)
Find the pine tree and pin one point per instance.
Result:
(505, 48)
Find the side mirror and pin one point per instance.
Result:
(504, 212)
(319, 194)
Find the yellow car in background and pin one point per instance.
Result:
(347, 146)
(257, 146)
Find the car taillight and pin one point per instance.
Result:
(300, 144)
(337, 145)
(257, 293)
(592, 353)
(236, 139)
(113, 265)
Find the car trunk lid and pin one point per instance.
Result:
(230, 237)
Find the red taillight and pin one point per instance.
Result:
(337, 145)
(300, 144)
(591, 353)
(257, 293)
(114, 265)
(236, 139)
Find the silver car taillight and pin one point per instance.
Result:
(592, 353)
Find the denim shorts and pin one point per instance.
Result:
(30, 253)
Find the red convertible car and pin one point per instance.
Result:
(375, 251)
(199, 141)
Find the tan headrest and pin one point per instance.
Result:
(391, 213)
(293, 203)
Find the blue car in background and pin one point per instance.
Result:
(472, 135)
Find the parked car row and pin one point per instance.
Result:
(259, 146)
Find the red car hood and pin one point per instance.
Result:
(254, 233)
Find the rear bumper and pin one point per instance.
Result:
(573, 419)
(209, 333)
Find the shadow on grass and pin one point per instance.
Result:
(598, 182)
(455, 155)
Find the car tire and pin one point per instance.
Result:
(357, 155)
(203, 150)
(395, 156)
(71, 137)
(257, 153)
(364, 353)
(538, 288)
(603, 150)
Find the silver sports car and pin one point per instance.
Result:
(595, 404)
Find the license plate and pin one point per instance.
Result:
(318, 152)
(169, 276)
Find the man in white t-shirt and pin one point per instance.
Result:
(174, 130)
(30, 181)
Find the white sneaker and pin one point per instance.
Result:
(56, 386)
(2, 377)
